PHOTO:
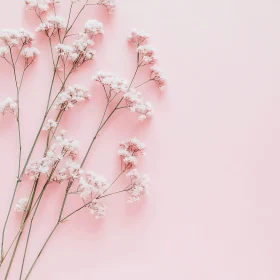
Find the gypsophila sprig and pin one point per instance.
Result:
(98, 210)
(21, 205)
(93, 27)
(71, 171)
(158, 76)
(16, 38)
(147, 55)
(129, 150)
(91, 184)
(8, 106)
(137, 37)
(61, 148)
(139, 185)
(50, 125)
(61, 166)
(40, 6)
(66, 99)
(108, 4)
(136, 104)
(52, 25)
(114, 84)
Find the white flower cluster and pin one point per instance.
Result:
(147, 53)
(71, 171)
(93, 27)
(8, 106)
(60, 149)
(66, 52)
(110, 80)
(21, 205)
(30, 54)
(80, 52)
(109, 5)
(40, 5)
(50, 125)
(129, 150)
(52, 25)
(68, 146)
(43, 165)
(97, 209)
(158, 76)
(137, 37)
(72, 95)
(90, 184)
(21, 39)
(136, 103)
(139, 184)
(13, 37)
(3, 51)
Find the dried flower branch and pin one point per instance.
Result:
(58, 163)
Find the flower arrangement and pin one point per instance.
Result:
(58, 163)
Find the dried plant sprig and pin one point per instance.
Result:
(52, 166)
(27, 39)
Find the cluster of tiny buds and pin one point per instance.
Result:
(22, 205)
(50, 125)
(139, 185)
(112, 82)
(8, 106)
(137, 104)
(66, 99)
(108, 4)
(128, 151)
(79, 53)
(40, 6)
(52, 25)
(147, 56)
(60, 149)
(20, 39)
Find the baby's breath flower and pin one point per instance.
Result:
(93, 27)
(136, 103)
(21, 205)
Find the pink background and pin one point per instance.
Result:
(213, 147)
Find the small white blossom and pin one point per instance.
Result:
(110, 80)
(52, 25)
(30, 54)
(60, 149)
(40, 5)
(159, 77)
(147, 53)
(72, 95)
(90, 184)
(97, 209)
(71, 171)
(137, 37)
(3, 51)
(129, 150)
(21, 205)
(50, 125)
(109, 5)
(139, 185)
(93, 27)
(8, 106)
(136, 103)
(16, 38)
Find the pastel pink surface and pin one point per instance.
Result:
(213, 147)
